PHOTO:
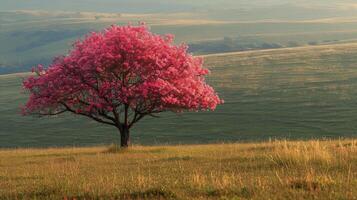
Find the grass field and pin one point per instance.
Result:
(296, 93)
(271, 170)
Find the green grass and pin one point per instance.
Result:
(296, 93)
(272, 170)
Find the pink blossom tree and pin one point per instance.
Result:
(119, 76)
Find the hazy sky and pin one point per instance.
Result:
(97, 5)
(165, 5)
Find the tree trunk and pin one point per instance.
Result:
(124, 137)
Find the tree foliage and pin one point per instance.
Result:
(119, 76)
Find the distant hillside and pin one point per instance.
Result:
(31, 37)
(33, 32)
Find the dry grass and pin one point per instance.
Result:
(271, 170)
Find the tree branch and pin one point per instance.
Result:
(51, 114)
(87, 115)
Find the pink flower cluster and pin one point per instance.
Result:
(123, 65)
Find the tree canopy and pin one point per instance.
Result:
(119, 76)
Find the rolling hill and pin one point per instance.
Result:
(304, 92)
(29, 37)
